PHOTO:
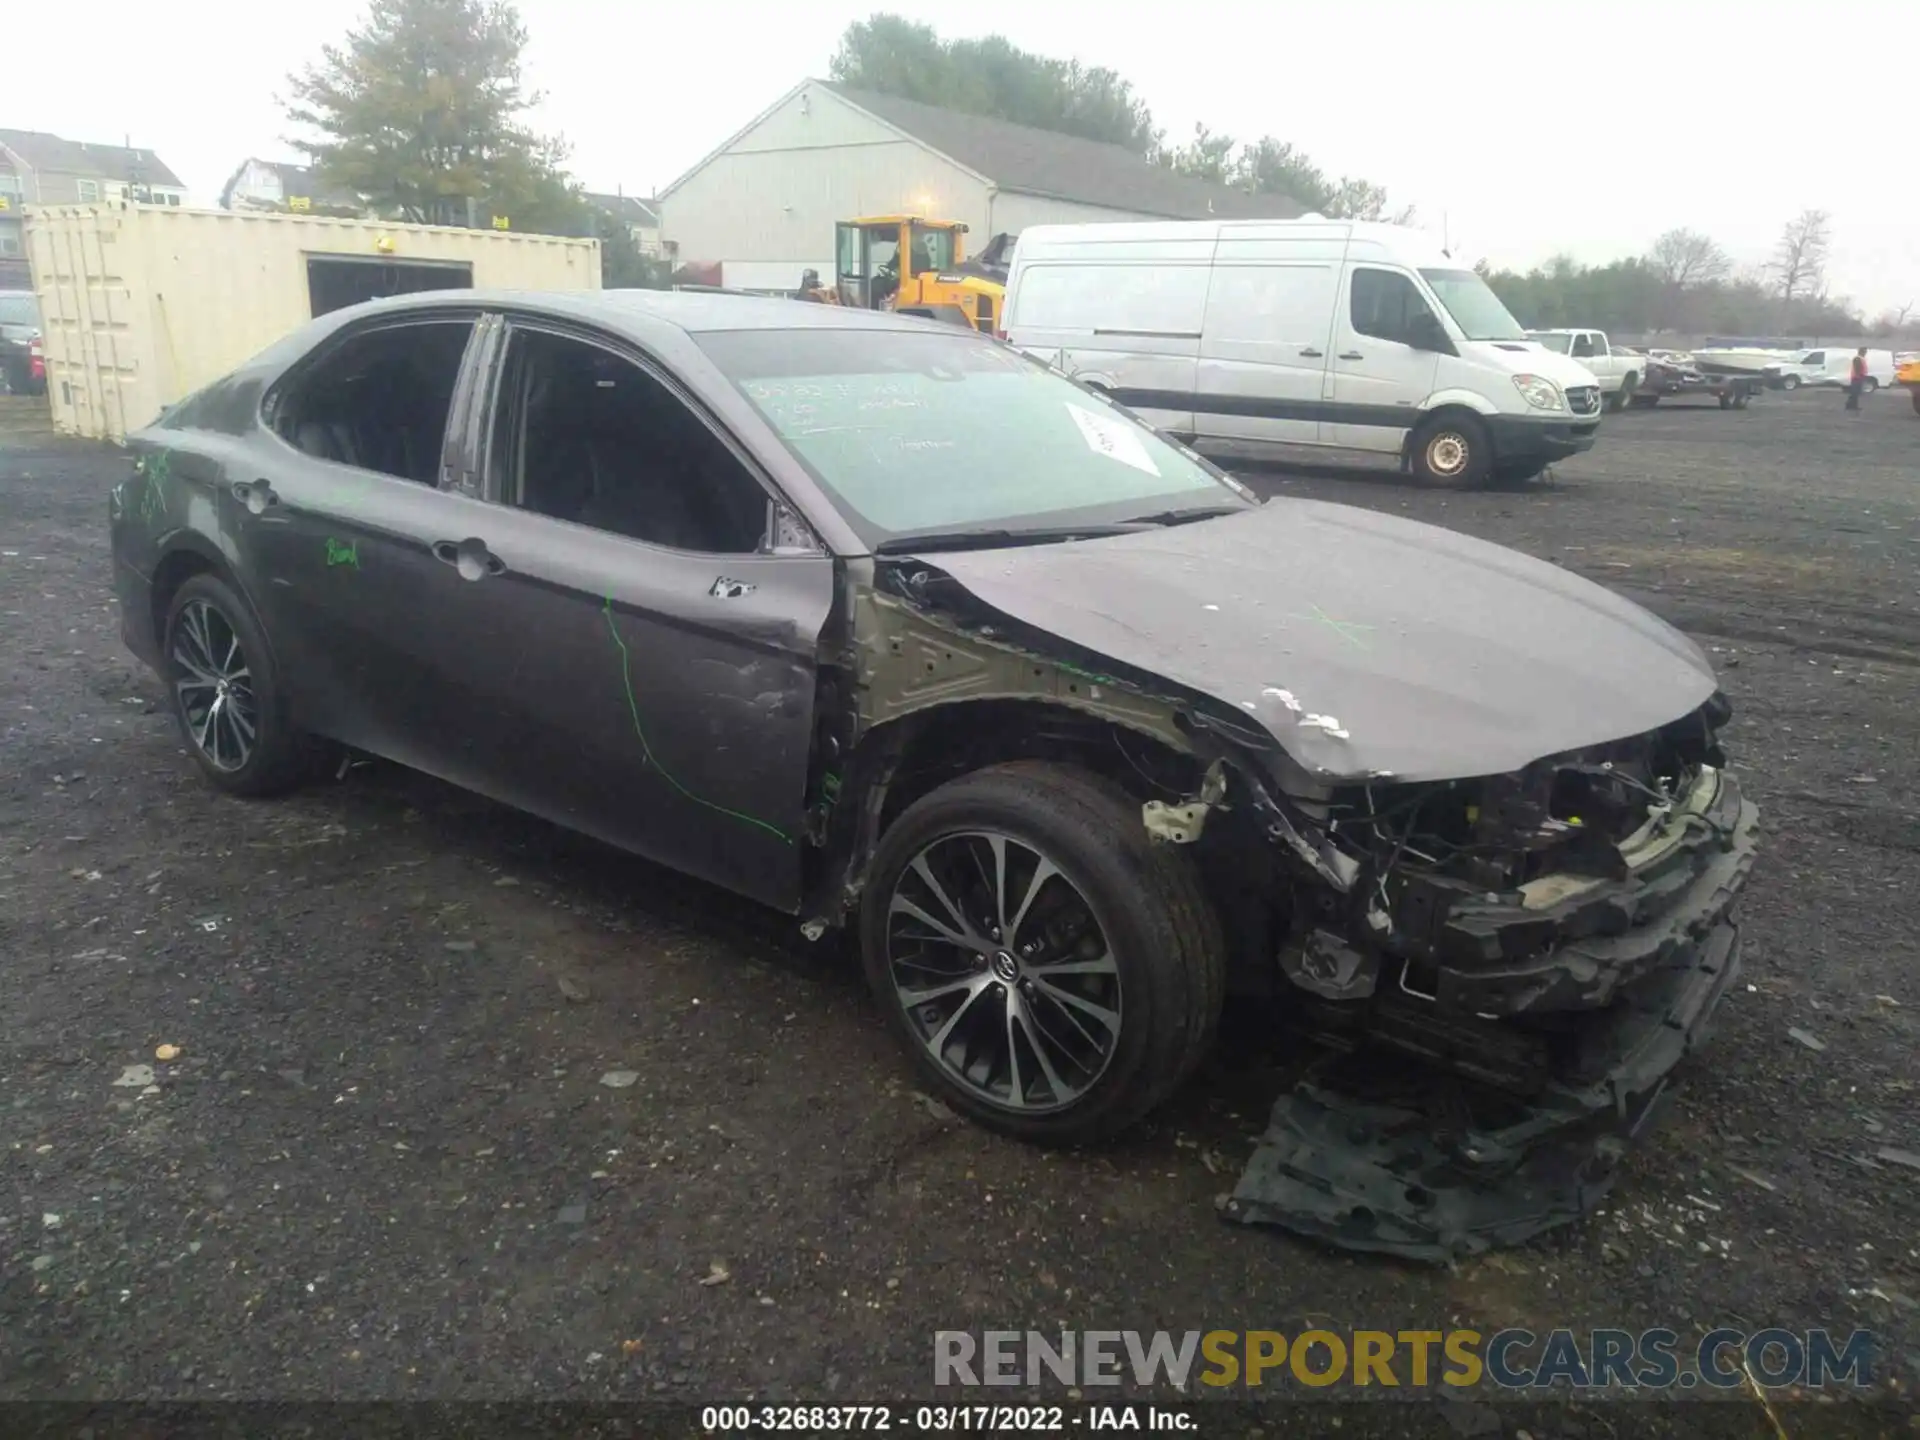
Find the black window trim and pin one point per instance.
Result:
(275, 394)
(490, 490)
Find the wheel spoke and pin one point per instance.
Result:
(1030, 1025)
(1042, 872)
(938, 1041)
(961, 930)
(1099, 1013)
(934, 992)
(1104, 965)
(900, 905)
(1016, 1090)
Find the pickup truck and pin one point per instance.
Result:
(1617, 371)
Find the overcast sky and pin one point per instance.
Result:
(1528, 128)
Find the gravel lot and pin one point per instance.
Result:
(384, 1162)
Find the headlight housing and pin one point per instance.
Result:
(1539, 392)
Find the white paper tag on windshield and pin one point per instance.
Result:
(1109, 437)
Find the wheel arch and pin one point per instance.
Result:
(1439, 413)
(899, 760)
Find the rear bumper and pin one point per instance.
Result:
(1521, 439)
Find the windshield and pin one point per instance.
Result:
(917, 434)
(19, 309)
(1562, 343)
(1475, 309)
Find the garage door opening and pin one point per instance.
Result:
(337, 281)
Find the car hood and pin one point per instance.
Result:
(1367, 645)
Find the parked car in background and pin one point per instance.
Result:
(880, 623)
(1832, 366)
(1619, 371)
(1261, 338)
(20, 343)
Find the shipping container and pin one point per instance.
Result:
(143, 304)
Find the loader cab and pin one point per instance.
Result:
(879, 261)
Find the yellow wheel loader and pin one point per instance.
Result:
(917, 266)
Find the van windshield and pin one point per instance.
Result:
(914, 434)
(1474, 307)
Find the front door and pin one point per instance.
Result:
(650, 660)
(1378, 381)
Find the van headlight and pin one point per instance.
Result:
(1540, 393)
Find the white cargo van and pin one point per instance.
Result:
(1831, 366)
(1262, 336)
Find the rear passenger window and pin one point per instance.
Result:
(1386, 306)
(379, 400)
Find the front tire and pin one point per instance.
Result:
(1452, 452)
(1791, 382)
(225, 692)
(1053, 973)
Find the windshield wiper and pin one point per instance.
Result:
(1182, 517)
(996, 538)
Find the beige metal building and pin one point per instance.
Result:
(764, 204)
(141, 305)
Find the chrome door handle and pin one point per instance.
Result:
(1315, 354)
(1351, 355)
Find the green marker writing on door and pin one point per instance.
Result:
(343, 554)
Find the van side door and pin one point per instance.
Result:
(1124, 318)
(1380, 378)
(1266, 342)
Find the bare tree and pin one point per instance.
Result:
(1800, 259)
(1685, 257)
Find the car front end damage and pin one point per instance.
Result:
(1500, 976)
(1487, 982)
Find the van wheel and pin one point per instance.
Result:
(1452, 451)
(1053, 972)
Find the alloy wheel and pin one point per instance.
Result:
(1003, 971)
(214, 686)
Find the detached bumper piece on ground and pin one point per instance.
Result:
(1488, 1095)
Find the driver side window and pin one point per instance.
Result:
(1584, 348)
(587, 436)
(1386, 305)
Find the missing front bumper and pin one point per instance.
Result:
(1367, 1160)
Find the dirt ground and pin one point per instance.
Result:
(384, 1162)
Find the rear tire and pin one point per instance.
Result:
(225, 694)
(1619, 399)
(1128, 913)
(1452, 452)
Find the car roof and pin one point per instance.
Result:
(688, 310)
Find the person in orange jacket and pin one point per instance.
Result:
(1857, 380)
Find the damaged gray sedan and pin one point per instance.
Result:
(880, 623)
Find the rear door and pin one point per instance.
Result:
(639, 654)
(1379, 381)
(359, 475)
(1266, 341)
